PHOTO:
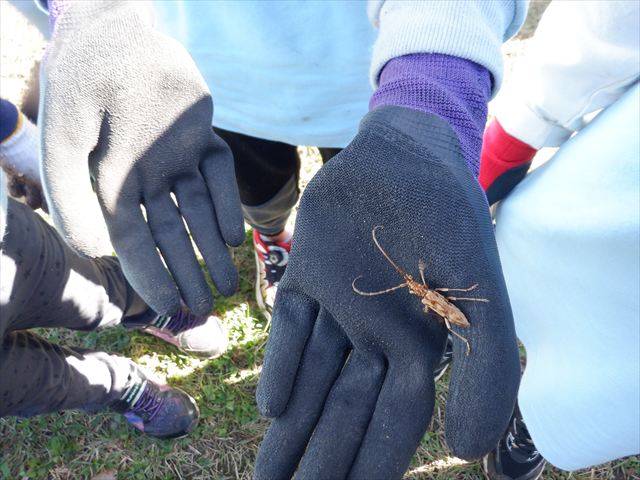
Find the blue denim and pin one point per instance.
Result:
(349, 378)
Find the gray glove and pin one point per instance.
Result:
(126, 105)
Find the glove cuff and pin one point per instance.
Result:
(454, 89)
(428, 132)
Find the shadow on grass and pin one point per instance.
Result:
(72, 445)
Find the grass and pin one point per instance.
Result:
(102, 446)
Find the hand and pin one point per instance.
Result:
(127, 106)
(349, 377)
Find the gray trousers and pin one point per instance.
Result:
(43, 283)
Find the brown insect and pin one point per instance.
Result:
(431, 299)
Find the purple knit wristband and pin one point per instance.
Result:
(56, 9)
(455, 89)
(79, 11)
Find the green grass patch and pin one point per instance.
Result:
(74, 445)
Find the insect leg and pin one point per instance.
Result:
(472, 287)
(468, 298)
(372, 294)
(466, 342)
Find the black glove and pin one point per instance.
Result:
(349, 377)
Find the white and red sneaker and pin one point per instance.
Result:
(271, 261)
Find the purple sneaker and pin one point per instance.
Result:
(158, 410)
(202, 336)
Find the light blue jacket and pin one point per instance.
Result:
(300, 72)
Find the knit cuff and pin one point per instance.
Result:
(68, 14)
(471, 30)
(454, 89)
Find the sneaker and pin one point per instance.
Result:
(200, 335)
(445, 360)
(271, 261)
(158, 410)
(515, 457)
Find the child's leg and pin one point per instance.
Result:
(267, 176)
(41, 377)
(43, 283)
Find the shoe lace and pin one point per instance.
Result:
(181, 321)
(149, 404)
(519, 441)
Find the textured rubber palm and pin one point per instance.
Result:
(349, 378)
(126, 105)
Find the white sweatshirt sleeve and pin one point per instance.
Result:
(582, 58)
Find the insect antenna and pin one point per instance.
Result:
(373, 294)
(375, 240)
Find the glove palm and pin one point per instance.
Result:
(127, 106)
(349, 377)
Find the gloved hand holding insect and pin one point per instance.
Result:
(393, 245)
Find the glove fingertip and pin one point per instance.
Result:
(202, 306)
(478, 414)
(267, 405)
(227, 285)
(471, 447)
(292, 322)
(234, 236)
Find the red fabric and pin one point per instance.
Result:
(501, 152)
(266, 245)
